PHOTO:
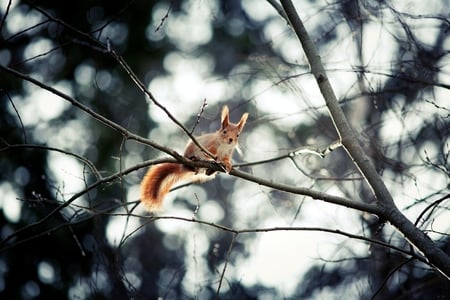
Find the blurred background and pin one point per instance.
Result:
(388, 63)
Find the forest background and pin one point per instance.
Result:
(93, 93)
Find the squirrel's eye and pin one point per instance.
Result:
(224, 132)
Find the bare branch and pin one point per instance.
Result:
(18, 116)
(227, 259)
(127, 134)
(86, 161)
(142, 87)
(199, 115)
(389, 210)
(370, 208)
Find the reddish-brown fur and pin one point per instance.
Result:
(160, 178)
(157, 183)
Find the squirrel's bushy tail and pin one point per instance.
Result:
(158, 181)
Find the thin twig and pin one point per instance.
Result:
(142, 87)
(2, 22)
(165, 17)
(127, 134)
(227, 260)
(199, 115)
(18, 116)
(83, 159)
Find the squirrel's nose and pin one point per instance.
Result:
(230, 140)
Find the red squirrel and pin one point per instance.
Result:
(221, 144)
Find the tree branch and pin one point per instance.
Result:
(389, 210)
(361, 206)
(126, 133)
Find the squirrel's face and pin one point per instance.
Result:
(230, 131)
(230, 135)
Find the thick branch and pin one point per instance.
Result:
(389, 211)
(341, 124)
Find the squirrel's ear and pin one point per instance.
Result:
(225, 117)
(242, 122)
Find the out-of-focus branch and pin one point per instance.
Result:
(96, 45)
(290, 228)
(86, 161)
(126, 133)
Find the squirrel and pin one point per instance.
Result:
(221, 144)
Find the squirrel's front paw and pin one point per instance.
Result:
(227, 166)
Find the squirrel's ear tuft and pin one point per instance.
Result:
(225, 117)
(242, 121)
